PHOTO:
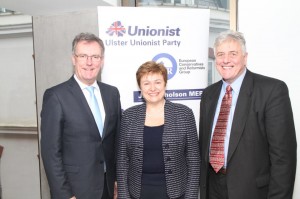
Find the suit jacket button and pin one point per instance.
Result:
(166, 146)
(170, 171)
(168, 158)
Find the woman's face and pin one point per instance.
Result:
(153, 87)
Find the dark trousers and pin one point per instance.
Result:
(217, 185)
(105, 194)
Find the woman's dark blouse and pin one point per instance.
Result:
(153, 161)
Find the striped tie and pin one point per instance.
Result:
(217, 143)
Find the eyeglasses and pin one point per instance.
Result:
(84, 57)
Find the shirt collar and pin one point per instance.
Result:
(236, 85)
(83, 86)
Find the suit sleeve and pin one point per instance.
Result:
(119, 110)
(51, 146)
(201, 125)
(193, 157)
(279, 125)
(123, 160)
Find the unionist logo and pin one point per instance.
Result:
(116, 28)
(169, 62)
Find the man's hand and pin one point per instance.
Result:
(73, 197)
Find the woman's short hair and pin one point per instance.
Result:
(151, 67)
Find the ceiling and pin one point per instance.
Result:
(52, 7)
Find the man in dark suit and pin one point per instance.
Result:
(78, 152)
(258, 149)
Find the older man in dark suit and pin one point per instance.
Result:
(247, 140)
(79, 127)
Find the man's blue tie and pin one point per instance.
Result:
(95, 109)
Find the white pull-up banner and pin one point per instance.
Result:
(176, 37)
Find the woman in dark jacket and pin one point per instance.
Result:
(158, 148)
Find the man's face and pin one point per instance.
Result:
(87, 68)
(230, 60)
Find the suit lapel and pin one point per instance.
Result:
(169, 121)
(106, 104)
(210, 105)
(78, 95)
(240, 114)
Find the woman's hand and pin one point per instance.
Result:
(116, 191)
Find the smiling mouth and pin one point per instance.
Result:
(227, 67)
(88, 69)
(152, 94)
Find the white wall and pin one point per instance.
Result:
(272, 30)
(17, 103)
(20, 165)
